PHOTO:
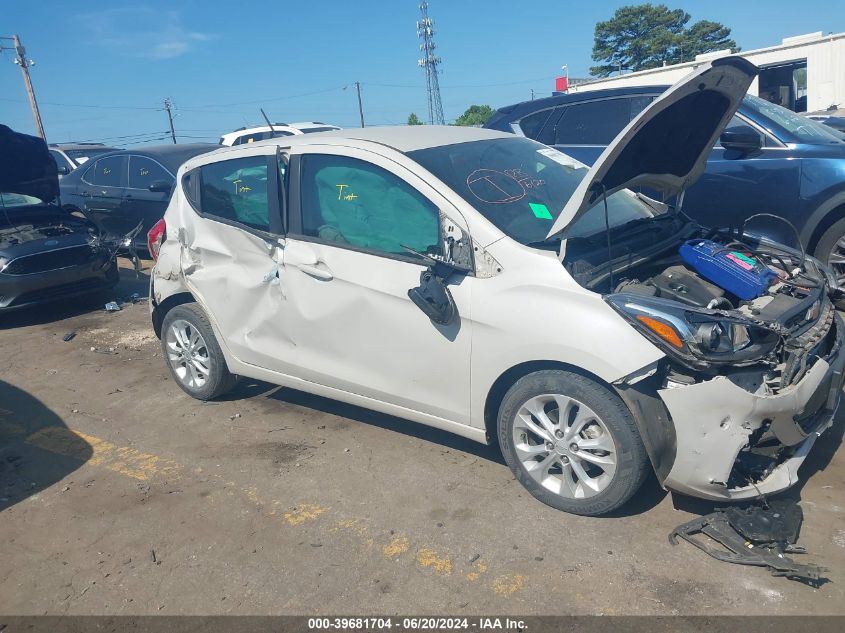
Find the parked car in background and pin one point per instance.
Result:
(467, 279)
(768, 159)
(836, 122)
(69, 156)
(263, 132)
(122, 188)
(46, 253)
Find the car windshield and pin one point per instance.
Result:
(804, 130)
(521, 186)
(10, 200)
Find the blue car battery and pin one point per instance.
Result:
(741, 274)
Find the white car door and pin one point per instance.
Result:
(231, 250)
(347, 276)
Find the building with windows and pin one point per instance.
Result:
(805, 73)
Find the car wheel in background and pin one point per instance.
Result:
(571, 442)
(193, 355)
(831, 250)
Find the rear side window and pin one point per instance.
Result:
(107, 172)
(592, 122)
(144, 171)
(353, 202)
(533, 123)
(234, 190)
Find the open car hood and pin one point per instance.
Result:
(26, 166)
(667, 145)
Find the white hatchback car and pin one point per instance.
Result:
(244, 135)
(488, 285)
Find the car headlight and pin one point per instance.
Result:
(694, 335)
(3, 262)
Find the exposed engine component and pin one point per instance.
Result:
(680, 284)
(740, 273)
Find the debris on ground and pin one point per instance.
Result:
(101, 350)
(113, 306)
(759, 535)
(69, 336)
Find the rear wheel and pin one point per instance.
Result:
(571, 442)
(192, 353)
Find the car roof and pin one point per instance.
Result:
(80, 146)
(574, 97)
(404, 138)
(171, 156)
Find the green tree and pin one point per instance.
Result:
(413, 119)
(647, 36)
(475, 115)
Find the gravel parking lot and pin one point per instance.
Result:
(121, 495)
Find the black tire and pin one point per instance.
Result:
(828, 240)
(631, 459)
(220, 379)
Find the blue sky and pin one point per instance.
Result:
(220, 62)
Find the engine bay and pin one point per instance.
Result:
(741, 301)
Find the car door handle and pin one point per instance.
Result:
(319, 273)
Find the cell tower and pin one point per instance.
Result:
(429, 61)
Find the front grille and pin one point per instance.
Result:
(50, 260)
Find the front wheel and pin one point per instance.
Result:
(192, 353)
(571, 442)
(831, 250)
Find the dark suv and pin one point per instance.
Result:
(768, 160)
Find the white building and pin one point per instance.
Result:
(782, 70)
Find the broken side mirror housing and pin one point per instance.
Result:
(741, 138)
(433, 297)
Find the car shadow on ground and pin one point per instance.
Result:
(36, 447)
(131, 283)
(648, 497)
(259, 389)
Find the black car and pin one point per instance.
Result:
(120, 189)
(769, 160)
(46, 252)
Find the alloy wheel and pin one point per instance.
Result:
(564, 446)
(188, 354)
(836, 261)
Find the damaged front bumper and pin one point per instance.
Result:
(732, 443)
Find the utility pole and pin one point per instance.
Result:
(532, 94)
(429, 61)
(360, 107)
(22, 61)
(168, 105)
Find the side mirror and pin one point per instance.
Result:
(63, 170)
(433, 297)
(741, 138)
(161, 186)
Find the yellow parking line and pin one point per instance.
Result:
(120, 459)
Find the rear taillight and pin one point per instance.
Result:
(155, 237)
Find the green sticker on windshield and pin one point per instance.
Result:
(540, 211)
